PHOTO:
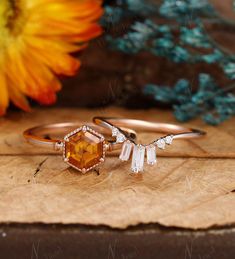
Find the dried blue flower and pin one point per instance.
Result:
(210, 102)
(179, 54)
(229, 69)
(223, 110)
(183, 40)
(181, 9)
(162, 47)
(215, 56)
(213, 119)
(112, 15)
(140, 7)
(183, 90)
(206, 83)
(162, 94)
(194, 37)
(186, 112)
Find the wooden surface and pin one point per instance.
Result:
(192, 186)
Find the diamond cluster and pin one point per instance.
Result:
(139, 151)
(120, 137)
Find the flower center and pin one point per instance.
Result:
(16, 18)
(14, 14)
(11, 18)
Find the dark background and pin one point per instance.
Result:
(111, 77)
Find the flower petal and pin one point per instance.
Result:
(4, 98)
(60, 63)
(18, 98)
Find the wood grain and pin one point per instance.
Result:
(192, 186)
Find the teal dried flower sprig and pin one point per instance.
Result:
(212, 103)
(185, 40)
(183, 10)
(126, 9)
(160, 41)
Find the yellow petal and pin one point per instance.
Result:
(4, 98)
(18, 98)
(40, 81)
(15, 66)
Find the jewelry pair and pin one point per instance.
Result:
(85, 147)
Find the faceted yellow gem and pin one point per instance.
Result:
(84, 150)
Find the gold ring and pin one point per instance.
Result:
(84, 147)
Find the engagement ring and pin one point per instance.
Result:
(83, 147)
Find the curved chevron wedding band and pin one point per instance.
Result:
(140, 150)
(83, 147)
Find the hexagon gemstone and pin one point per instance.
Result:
(84, 150)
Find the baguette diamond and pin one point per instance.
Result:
(151, 155)
(126, 151)
(137, 164)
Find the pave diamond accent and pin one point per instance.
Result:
(59, 146)
(151, 155)
(161, 143)
(169, 139)
(126, 151)
(120, 138)
(115, 132)
(137, 164)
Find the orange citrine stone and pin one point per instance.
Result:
(84, 150)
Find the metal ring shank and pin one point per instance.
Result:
(177, 131)
(39, 135)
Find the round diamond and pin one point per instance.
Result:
(115, 132)
(168, 139)
(161, 143)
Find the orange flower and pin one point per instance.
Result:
(37, 37)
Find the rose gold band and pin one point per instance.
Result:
(179, 132)
(47, 135)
